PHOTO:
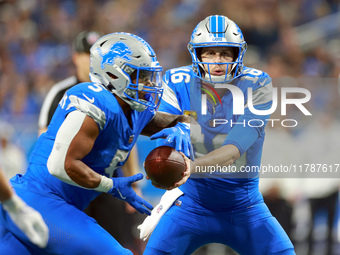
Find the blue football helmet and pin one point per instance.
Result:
(217, 31)
(119, 58)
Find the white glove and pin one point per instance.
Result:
(27, 220)
(150, 222)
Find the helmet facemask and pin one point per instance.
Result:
(205, 72)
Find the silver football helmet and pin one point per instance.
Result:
(217, 31)
(117, 60)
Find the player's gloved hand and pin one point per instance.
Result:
(122, 189)
(179, 134)
(28, 220)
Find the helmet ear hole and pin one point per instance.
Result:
(102, 43)
(198, 53)
(236, 52)
(112, 76)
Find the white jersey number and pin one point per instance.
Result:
(177, 77)
(251, 74)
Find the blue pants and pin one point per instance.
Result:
(188, 226)
(71, 230)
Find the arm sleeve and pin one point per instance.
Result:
(249, 127)
(243, 136)
(67, 131)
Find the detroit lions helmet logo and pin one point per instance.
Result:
(117, 50)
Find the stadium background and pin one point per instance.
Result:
(291, 40)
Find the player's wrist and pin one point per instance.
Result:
(13, 204)
(185, 124)
(183, 119)
(105, 185)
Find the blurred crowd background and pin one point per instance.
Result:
(297, 42)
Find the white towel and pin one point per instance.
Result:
(150, 222)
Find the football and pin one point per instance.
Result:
(164, 166)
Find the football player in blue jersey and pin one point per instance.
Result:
(95, 125)
(218, 204)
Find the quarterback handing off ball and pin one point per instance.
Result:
(164, 166)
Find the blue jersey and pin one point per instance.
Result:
(112, 146)
(220, 126)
